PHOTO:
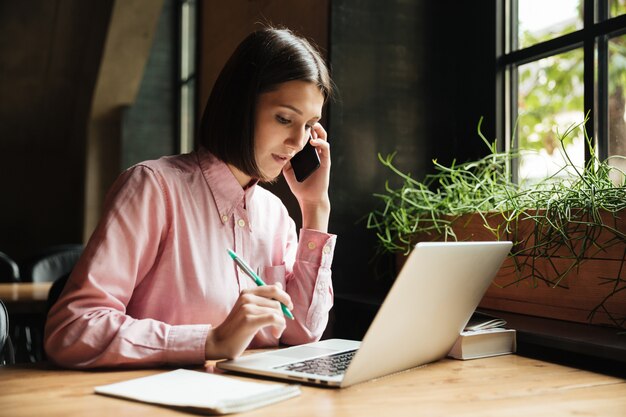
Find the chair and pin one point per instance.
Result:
(7, 355)
(55, 291)
(9, 270)
(51, 263)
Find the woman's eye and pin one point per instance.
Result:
(282, 120)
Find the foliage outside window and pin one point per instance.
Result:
(563, 60)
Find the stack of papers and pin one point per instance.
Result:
(200, 392)
(480, 321)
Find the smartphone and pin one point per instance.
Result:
(305, 162)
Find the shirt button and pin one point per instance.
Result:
(311, 245)
(224, 218)
(241, 222)
(326, 249)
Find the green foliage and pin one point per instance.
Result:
(484, 186)
(424, 206)
(569, 214)
(547, 89)
(550, 90)
(617, 7)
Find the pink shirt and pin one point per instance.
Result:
(156, 275)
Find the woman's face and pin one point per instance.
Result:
(283, 121)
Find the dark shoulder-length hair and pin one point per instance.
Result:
(262, 61)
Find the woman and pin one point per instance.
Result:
(155, 284)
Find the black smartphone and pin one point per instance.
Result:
(305, 162)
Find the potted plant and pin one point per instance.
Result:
(569, 232)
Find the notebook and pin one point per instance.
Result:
(429, 304)
(200, 392)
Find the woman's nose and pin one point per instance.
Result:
(298, 138)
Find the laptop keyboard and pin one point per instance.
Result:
(330, 365)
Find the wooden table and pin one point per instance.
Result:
(25, 297)
(27, 306)
(500, 386)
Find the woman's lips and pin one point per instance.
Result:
(281, 159)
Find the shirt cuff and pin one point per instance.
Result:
(186, 344)
(316, 247)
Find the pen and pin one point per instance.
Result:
(245, 268)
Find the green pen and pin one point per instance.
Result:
(245, 268)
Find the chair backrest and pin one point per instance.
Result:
(9, 270)
(52, 263)
(55, 291)
(7, 356)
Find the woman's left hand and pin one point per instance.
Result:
(312, 193)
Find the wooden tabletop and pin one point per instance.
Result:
(25, 297)
(508, 385)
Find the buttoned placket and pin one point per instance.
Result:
(241, 233)
(226, 221)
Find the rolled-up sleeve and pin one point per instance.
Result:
(310, 287)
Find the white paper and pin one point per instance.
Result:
(185, 388)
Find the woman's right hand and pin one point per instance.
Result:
(255, 308)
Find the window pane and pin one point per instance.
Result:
(617, 7)
(187, 117)
(188, 39)
(550, 100)
(187, 73)
(541, 20)
(617, 110)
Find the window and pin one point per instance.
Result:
(559, 61)
(187, 74)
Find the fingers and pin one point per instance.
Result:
(320, 141)
(272, 293)
(323, 148)
(256, 317)
(251, 313)
(261, 308)
(318, 132)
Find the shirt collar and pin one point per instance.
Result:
(226, 190)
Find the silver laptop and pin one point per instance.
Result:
(428, 305)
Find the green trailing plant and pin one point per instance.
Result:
(571, 215)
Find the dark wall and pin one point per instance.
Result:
(377, 53)
(414, 77)
(149, 125)
(50, 52)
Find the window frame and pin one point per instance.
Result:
(594, 37)
(186, 74)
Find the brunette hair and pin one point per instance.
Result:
(262, 61)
